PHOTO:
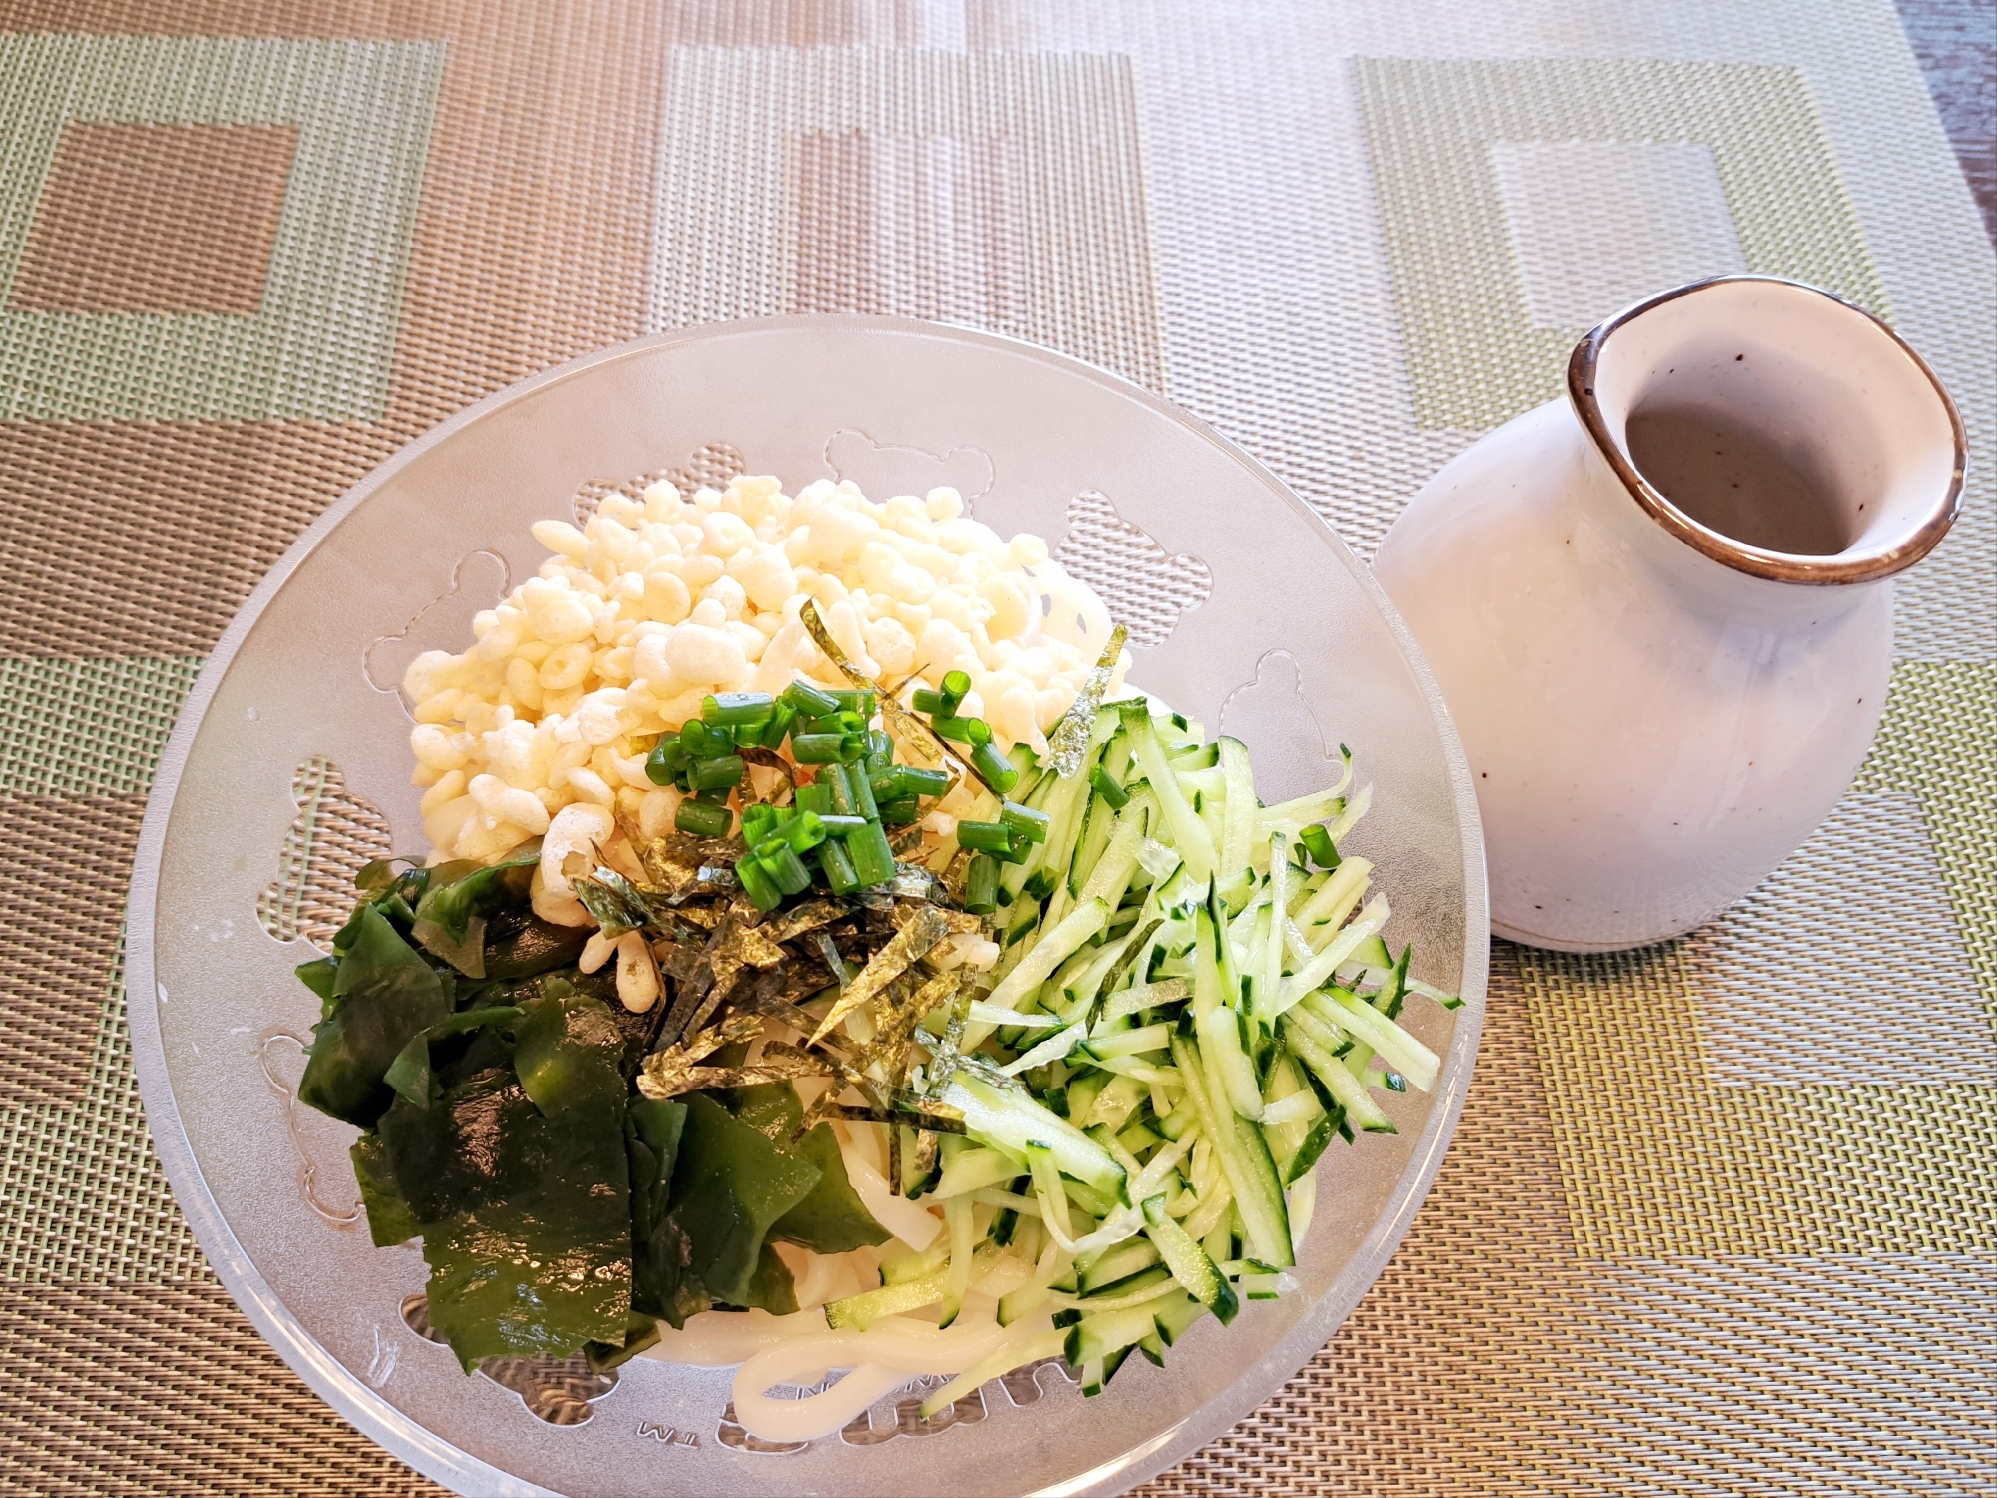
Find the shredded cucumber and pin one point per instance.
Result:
(1195, 999)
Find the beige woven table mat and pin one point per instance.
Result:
(1720, 1214)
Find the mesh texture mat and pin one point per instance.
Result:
(1721, 1216)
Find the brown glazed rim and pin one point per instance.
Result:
(1780, 566)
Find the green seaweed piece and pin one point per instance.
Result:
(519, 944)
(640, 1333)
(412, 1074)
(771, 1288)
(409, 1074)
(652, 1137)
(567, 1051)
(525, 1217)
(832, 1219)
(384, 995)
(730, 1184)
(460, 898)
(470, 1148)
(318, 975)
(389, 1219)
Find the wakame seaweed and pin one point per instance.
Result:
(730, 1186)
(525, 1217)
(458, 898)
(831, 1220)
(383, 996)
(560, 1208)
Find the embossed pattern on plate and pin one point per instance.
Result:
(291, 760)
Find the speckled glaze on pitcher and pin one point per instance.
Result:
(1660, 698)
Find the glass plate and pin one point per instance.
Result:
(290, 765)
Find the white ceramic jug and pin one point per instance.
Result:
(1659, 608)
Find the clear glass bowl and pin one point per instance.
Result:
(290, 764)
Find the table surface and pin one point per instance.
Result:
(1956, 43)
(1721, 1216)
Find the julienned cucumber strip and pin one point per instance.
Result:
(1188, 1262)
(862, 1310)
(1239, 824)
(1054, 948)
(1244, 1159)
(1117, 865)
(1334, 953)
(1316, 1048)
(1226, 1057)
(1106, 1332)
(1409, 1056)
(1195, 842)
(963, 1244)
(1013, 1121)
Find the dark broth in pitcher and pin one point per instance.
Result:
(1726, 474)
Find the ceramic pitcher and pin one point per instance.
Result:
(1660, 609)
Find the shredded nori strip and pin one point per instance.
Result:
(611, 898)
(937, 1123)
(769, 759)
(676, 862)
(664, 1072)
(802, 918)
(1068, 744)
(923, 931)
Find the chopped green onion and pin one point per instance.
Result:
(838, 866)
(985, 837)
(900, 811)
(801, 833)
(817, 748)
(715, 774)
(994, 769)
(1108, 789)
(758, 885)
(1317, 842)
(949, 726)
(785, 868)
(839, 723)
(863, 793)
(854, 700)
(956, 684)
(981, 883)
(899, 782)
(838, 826)
(816, 798)
(758, 822)
(928, 701)
(665, 760)
(770, 732)
(873, 860)
(703, 818)
(1025, 821)
(693, 738)
(833, 778)
(919, 782)
(809, 701)
(737, 707)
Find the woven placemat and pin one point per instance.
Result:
(1719, 1217)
